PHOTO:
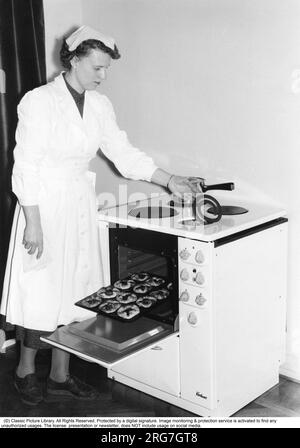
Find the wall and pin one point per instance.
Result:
(61, 17)
(204, 86)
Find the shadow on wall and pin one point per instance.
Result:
(55, 56)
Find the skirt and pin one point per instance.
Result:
(29, 338)
(40, 295)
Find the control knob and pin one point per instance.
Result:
(184, 254)
(192, 318)
(200, 300)
(199, 257)
(184, 296)
(199, 279)
(184, 275)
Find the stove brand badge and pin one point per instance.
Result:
(201, 395)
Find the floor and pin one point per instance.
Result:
(121, 401)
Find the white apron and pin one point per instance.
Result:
(54, 147)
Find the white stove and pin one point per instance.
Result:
(219, 342)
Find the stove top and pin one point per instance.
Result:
(166, 214)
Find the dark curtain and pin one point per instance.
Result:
(22, 68)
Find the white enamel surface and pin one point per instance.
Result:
(157, 366)
(258, 214)
(249, 314)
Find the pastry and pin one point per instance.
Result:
(110, 306)
(155, 281)
(161, 294)
(165, 292)
(124, 285)
(126, 298)
(91, 302)
(142, 288)
(140, 276)
(145, 302)
(128, 311)
(121, 293)
(100, 291)
(108, 293)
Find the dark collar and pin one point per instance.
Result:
(78, 97)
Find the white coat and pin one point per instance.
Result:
(53, 150)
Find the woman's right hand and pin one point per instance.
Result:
(33, 239)
(33, 233)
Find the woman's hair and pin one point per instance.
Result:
(83, 50)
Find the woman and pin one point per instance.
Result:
(53, 259)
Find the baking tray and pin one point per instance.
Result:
(166, 285)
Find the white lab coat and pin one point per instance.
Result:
(54, 147)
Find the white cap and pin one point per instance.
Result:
(85, 33)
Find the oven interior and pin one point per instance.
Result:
(139, 250)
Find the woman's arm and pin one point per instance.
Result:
(31, 146)
(133, 163)
(32, 137)
(161, 177)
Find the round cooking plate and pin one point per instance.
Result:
(177, 202)
(153, 212)
(230, 210)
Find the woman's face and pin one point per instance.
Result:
(90, 70)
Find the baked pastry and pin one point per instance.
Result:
(121, 293)
(128, 311)
(143, 288)
(101, 290)
(155, 281)
(108, 293)
(124, 285)
(145, 302)
(140, 276)
(91, 302)
(165, 292)
(126, 298)
(161, 294)
(110, 306)
(154, 299)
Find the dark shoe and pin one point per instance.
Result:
(29, 389)
(72, 387)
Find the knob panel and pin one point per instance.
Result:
(195, 274)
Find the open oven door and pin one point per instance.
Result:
(106, 341)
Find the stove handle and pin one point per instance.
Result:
(229, 186)
(198, 183)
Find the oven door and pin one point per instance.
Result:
(105, 341)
